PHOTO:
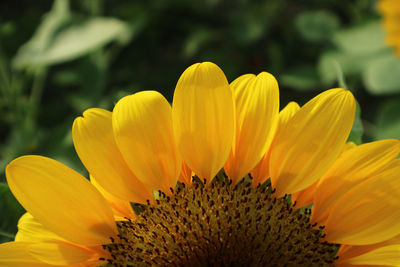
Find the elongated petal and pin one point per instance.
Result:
(61, 253)
(347, 252)
(61, 200)
(369, 213)
(121, 208)
(186, 175)
(387, 255)
(352, 167)
(255, 98)
(261, 172)
(203, 118)
(311, 141)
(94, 142)
(287, 113)
(305, 197)
(143, 132)
(30, 230)
(15, 254)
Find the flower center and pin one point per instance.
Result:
(220, 225)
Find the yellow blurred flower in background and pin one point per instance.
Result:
(157, 194)
(390, 10)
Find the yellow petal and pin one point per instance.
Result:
(61, 200)
(121, 208)
(203, 118)
(352, 167)
(30, 230)
(347, 252)
(61, 253)
(389, 7)
(369, 213)
(261, 172)
(387, 255)
(305, 197)
(15, 254)
(257, 109)
(186, 175)
(287, 113)
(143, 132)
(94, 142)
(311, 140)
(348, 145)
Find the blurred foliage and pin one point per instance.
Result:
(59, 58)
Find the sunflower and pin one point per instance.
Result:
(220, 179)
(390, 10)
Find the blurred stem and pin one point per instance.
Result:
(95, 7)
(37, 90)
(340, 76)
(9, 235)
(5, 83)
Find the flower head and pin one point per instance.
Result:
(221, 178)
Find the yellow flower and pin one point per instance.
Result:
(157, 194)
(390, 10)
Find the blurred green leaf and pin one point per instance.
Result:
(304, 78)
(350, 64)
(52, 22)
(388, 121)
(382, 75)
(317, 25)
(362, 39)
(358, 130)
(10, 212)
(73, 41)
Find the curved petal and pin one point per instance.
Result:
(15, 254)
(386, 255)
(121, 208)
(30, 230)
(94, 142)
(261, 172)
(61, 200)
(369, 213)
(255, 97)
(186, 175)
(203, 118)
(352, 167)
(143, 132)
(311, 141)
(347, 252)
(61, 253)
(305, 197)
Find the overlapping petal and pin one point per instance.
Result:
(186, 175)
(311, 141)
(15, 254)
(261, 172)
(351, 168)
(368, 213)
(255, 97)
(121, 208)
(203, 118)
(143, 132)
(62, 200)
(62, 253)
(383, 253)
(30, 230)
(94, 142)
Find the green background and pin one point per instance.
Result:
(59, 58)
